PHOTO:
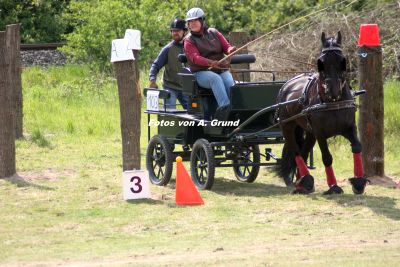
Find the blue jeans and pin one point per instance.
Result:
(219, 83)
(175, 94)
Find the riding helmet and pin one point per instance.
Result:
(178, 24)
(195, 13)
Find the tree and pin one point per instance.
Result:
(41, 21)
(97, 23)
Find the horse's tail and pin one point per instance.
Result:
(286, 166)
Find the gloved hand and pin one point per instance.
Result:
(153, 84)
(224, 65)
(231, 50)
(213, 64)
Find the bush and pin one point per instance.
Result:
(41, 21)
(97, 23)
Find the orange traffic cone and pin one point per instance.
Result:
(186, 192)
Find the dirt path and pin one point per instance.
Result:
(265, 254)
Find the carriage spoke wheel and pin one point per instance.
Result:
(202, 164)
(246, 173)
(159, 160)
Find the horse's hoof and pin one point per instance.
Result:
(305, 185)
(358, 184)
(300, 191)
(288, 183)
(335, 189)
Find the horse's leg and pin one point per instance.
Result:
(358, 182)
(309, 143)
(305, 182)
(291, 159)
(330, 176)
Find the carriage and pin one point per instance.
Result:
(208, 143)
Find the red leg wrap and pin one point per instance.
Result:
(358, 165)
(330, 176)
(303, 170)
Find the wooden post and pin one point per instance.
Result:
(13, 46)
(130, 104)
(127, 73)
(371, 123)
(7, 130)
(239, 39)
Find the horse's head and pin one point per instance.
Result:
(331, 68)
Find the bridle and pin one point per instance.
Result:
(322, 85)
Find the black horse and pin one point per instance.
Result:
(325, 109)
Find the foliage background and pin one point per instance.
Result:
(41, 20)
(90, 26)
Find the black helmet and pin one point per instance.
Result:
(178, 24)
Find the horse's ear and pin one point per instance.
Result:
(323, 38)
(343, 64)
(320, 65)
(339, 38)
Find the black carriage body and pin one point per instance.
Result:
(185, 127)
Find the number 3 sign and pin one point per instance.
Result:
(136, 184)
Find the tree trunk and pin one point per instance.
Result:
(13, 48)
(239, 39)
(371, 121)
(7, 130)
(130, 109)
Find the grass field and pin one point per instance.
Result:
(65, 205)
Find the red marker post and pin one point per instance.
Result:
(372, 105)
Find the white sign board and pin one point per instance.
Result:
(120, 50)
(152, 100)
(133, 37)
(136, 184)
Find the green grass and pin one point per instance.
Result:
(66, 207)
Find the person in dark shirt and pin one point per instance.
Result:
(168, 58)
(204, 48)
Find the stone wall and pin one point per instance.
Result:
(43, 58)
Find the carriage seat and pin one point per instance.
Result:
(190, 85)
(235, 59)
(204, 99)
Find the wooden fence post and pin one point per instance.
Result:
(7, 130)
(127, 74)
(13, 48)
(239, 39)
(371, 119)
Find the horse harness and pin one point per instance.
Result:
(307, 100)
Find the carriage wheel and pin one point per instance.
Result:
(249, 154)
(202, 164)
(159, 159)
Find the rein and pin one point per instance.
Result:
(280, 27)
(346, 104)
